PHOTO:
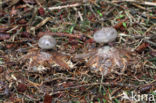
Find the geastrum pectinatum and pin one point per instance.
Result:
(107, 59)
(46, 58)
(104, 60)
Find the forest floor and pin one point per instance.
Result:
(27, 76)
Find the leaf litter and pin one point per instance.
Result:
(77, 69)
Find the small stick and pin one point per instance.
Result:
(65, 6)
(79, 13)
(41, 23)
(135, 1)
(104, 84)
(140, 7)
(150, 42)
(38, 3)
(61, 34)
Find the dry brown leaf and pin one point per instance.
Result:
(60, 60)
(47, 98)
(22, 87)
(142, 47)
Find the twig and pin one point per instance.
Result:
(62, 34)
(104, 84)
(38, 3)
(136, 1)
(79, 13)
(140, 7)
(41, 23)
(65, 6)
(150, 42)
(3, 2)
(146, 39)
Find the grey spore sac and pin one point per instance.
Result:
(105, 35)
(47, 42)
